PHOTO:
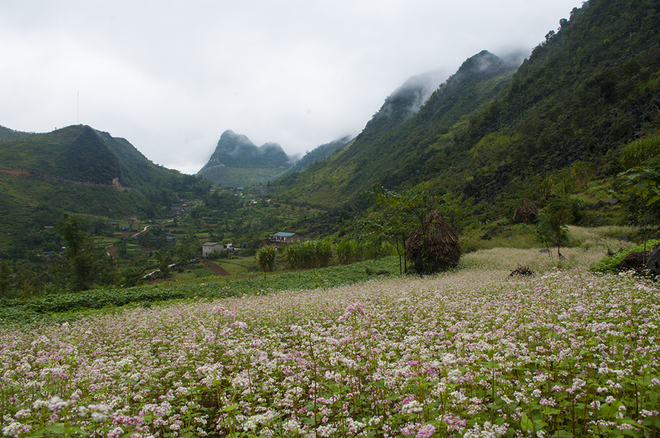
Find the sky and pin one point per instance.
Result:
(171, 76)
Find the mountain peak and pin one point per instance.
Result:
(88, 158)
(236, 151)
(483, 63)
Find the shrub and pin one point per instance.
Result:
(609, 263)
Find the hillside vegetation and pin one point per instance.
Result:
(494, 134)
(558, 130)
(75, 170)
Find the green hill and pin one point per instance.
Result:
(88, 158)
(495, 133)
(10, 134)
(72, 170)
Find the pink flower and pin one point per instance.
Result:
(426, 431)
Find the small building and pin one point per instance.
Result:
(282, 238)
(211, 247)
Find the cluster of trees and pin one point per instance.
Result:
(85, 262)
(399, 214)
(320, 253)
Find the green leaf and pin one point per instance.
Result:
(526, 423)
(230, 408)
(56, 429)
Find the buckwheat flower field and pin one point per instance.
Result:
(471, 353)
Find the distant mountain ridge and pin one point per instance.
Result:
(235, 150)
(392, 146)
(237, 162)
(406, 100)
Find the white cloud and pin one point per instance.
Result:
(170, 76)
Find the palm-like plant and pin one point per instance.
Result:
(266, 258)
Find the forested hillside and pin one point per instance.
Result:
(495, 134)
(318, 154)
(397, 138)
(72, 170)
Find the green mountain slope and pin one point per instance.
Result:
(89, 159)
(10, 134)
(586, 91)
(81, 153)
(72, 169)
(318, 154)
(495, 134)
(397, 141)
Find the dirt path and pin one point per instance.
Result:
(216, 269)
(15, 173)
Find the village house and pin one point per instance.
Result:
(282, 238)
(212, 247)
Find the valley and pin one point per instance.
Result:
(477, 261)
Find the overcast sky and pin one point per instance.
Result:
(171, 76)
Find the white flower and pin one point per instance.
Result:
(55, 404)
(291, 426)
(412, 407)
(14, 429)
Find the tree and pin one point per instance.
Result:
(164, 260)
(266, 258)
(402, 213)
(5, 278)
(122, 248)
(552, 220)
(184, 253)
(454, 209)
(380, 226)
(641, 183)
(133, 276)
(581, 173)
(86, 262)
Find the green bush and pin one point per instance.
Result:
(609, 263)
